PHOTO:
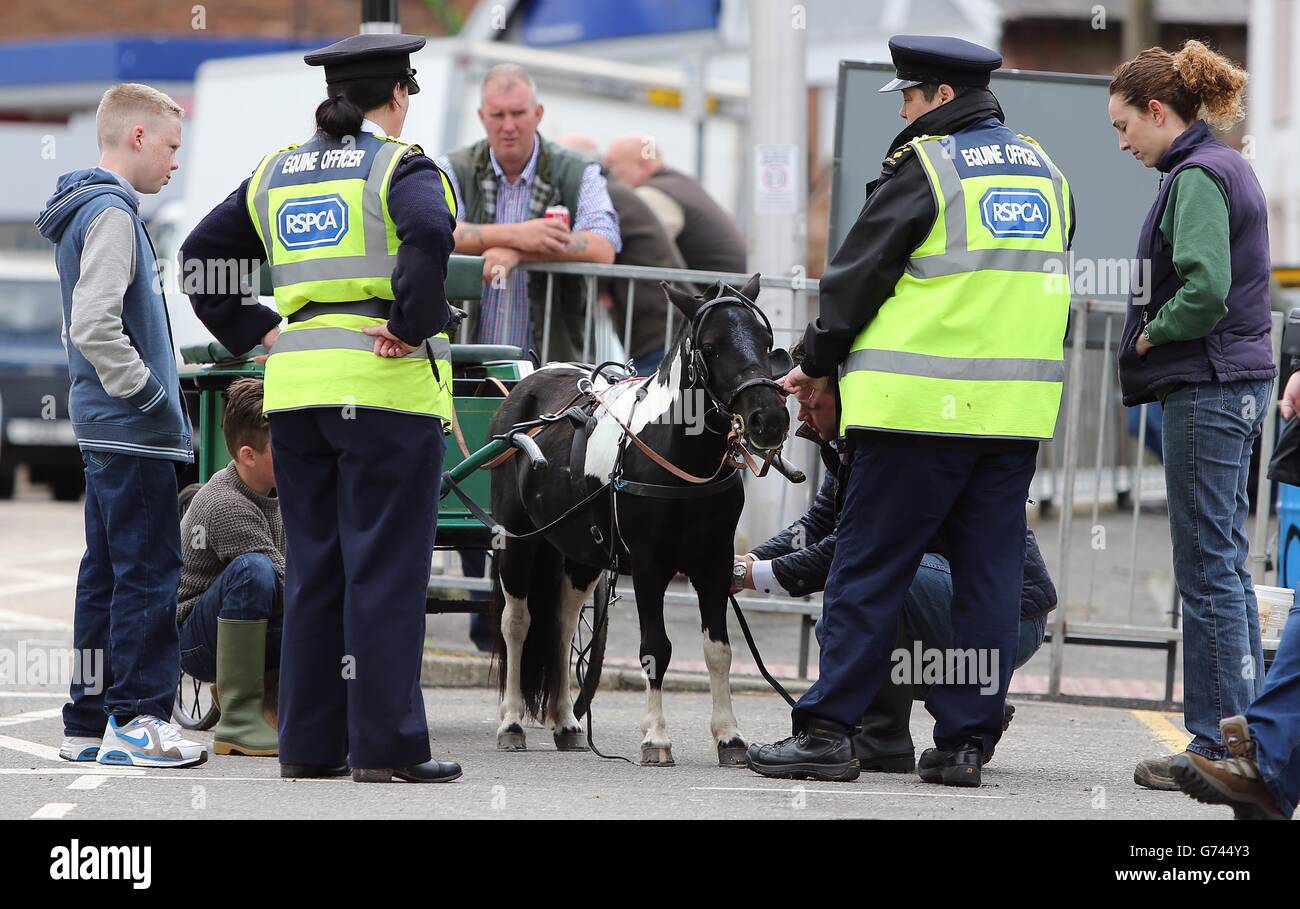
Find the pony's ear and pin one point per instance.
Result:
(688, 304)
(750, 290)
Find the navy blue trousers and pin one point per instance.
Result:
(905, 492)
(358, 492)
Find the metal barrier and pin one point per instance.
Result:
(604, 341)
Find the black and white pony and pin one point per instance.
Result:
(714, 383)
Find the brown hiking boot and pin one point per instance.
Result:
(1236, 736)
(1234, 781)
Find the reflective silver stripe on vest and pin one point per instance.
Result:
(347, 339)
(957, 259)
(991, 369)
(374, 264)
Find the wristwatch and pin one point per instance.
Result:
(738, 571)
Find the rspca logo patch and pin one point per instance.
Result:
(1016, 213)
(311, 223)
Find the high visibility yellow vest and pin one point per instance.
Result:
(321, 211)
(971, 342)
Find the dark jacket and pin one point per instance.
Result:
(804, 569)
(645, 242)
(1239, 347)
(710, 240)
(898, 214)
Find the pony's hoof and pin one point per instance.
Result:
(570, 740)
(511, 739)
(656, 755)
(732, 754)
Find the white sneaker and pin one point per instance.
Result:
(79, 748)
(148, 741)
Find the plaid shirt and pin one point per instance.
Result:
(504, 316)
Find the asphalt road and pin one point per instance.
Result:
(1057, 760)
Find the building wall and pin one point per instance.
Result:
(28, 19)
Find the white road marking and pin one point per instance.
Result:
(75, 768)
(854, 791)
(48, 583)
(30, 716)
(89, 781)
(54, 810)
(45, 752)
(62, 695)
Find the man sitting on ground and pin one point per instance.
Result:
(797, 561)
(231, 603)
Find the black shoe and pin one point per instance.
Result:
(959, 767)
(428, 772)
(823, 752)
(1008, 714)
(311, 771)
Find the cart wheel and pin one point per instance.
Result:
(588, 647)
(187, 496)
(195, 707)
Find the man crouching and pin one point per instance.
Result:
(231, 598)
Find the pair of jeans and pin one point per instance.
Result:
(247, 590)
(927, 615)
(1208, 432)
(125, 613)
(1274, 719)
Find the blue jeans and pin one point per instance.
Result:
(927, 615)
(649, 362)
(248, 590)
(1209, 429)
(126, 593)
(1274, 720)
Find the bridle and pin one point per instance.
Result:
(697, 369)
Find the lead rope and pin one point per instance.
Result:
(583, 663)
(753, 648)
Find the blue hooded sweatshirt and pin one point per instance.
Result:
(147, 421)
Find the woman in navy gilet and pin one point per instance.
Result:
(1197, 339)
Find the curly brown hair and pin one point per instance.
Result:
(243, 423)
(1194, 82)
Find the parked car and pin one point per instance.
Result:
(34, 425)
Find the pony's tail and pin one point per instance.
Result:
(540, 664)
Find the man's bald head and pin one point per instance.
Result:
(579, 142)
(634, 158)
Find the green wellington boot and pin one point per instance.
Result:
(241, 675)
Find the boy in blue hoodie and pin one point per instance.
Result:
(132, 428)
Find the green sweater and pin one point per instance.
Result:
(1195, 225)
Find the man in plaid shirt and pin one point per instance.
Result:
(504, 185)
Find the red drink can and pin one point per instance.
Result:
(559, 213)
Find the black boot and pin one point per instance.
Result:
(885, 743)
(959, 767)
(822, 751)
(311, 771)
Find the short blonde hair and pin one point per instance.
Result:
(127, 102)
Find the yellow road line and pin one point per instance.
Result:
(1165, 732)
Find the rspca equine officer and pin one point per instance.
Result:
(946, 335)
(356, 227)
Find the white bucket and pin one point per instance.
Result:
(1274, 606)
